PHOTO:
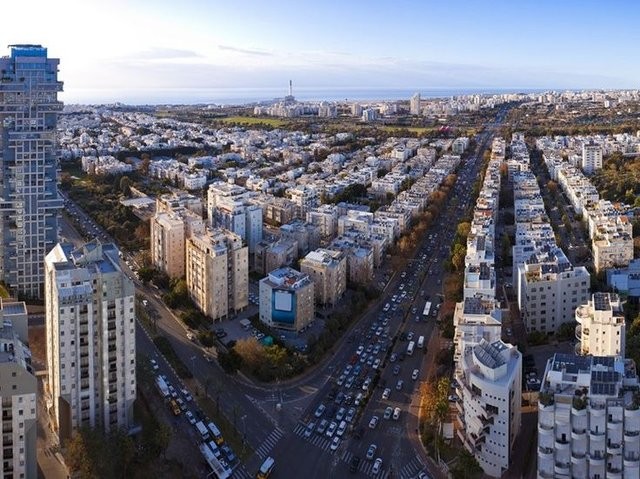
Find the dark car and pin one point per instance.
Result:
(355, 462)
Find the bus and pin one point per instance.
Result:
(266, 469)
(220, 470)
(427, 309)
(410, 347)
(421, 342)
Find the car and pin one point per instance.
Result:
(340, 414)
(173, 392)
(335, 443)
(374, 422)
(396, 413)
(331, 429)
(414, 374)
(358, 399)
(341, 380)
(322, 427)
(354, 464)
(371, 452)
(377, 466)
(423, 475)
(342, 427)
(181, 404)
(351, 413)
(320, 410)
(386, 393)
(349, 382)
(388, 412)
(360, 350)
(399, 385)
(339, 398)
(154, 364)
(309, 429)
(396, 370)
(366, 384)
(190, 417)
(376, 364)
(409, 335)
(187, 396)
(348, 369)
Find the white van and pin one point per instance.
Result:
(421, 342)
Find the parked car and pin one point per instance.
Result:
(374, 422)
(377, 466)
(371, 452)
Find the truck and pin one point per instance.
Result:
(162, 386)
(175, 409)
(202, 429)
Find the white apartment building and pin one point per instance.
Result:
(591, 158)
(91, 349)
(218, 272)
(489, 376)
(549, 293)
(19, 408)
(228, 207)
(328, 271)
(287, 299)
(601, 326)
(589, 418)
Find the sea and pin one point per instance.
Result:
(245, 96)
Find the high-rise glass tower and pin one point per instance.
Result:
(29, 201)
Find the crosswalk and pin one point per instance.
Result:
(344, 455)
(269, 443)
(240, 473)
(411, 469)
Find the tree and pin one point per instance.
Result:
(251, 352)
(466, 466)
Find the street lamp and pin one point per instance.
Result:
(244, 432)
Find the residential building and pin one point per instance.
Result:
(14, 313)
(328, 271)
(589, 418)
(414, 104)
(591, 158)
(626, 281)
(287, 299)
(489, 376)
(218, 272)
(270, 256)
(601, 326)
(19, 407)
(91, 340)
(28, 118)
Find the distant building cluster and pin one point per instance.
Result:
(104, 165)
(609, 225)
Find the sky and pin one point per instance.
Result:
(111, 49)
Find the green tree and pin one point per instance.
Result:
(466, 466)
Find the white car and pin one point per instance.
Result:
(331, 429)
(190, 417)
(377, 466)
(414, 374)
(386, 393)
(320, 411)
(396, 413)
(335, 443)
(374, 422)
(388, 412)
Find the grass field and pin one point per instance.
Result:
(413, 129)
(250, 121)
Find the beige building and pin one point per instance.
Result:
(18, 388)
(169, 231)
(328, 271)
(287, 299)
(601, 326)
(218, 272)
(91, 340)
(270, 256)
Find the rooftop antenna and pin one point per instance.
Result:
(290, 88)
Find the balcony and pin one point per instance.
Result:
(545, 452)
(631, 436)
(562, 445)
(579, 332)
(596, 460)
(631, 461)
(582, 313)
(577, 434)
(545, 429)
(562, 468)
(578, 458)
(545, 474)
(614, 448)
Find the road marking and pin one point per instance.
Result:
(411, 469)
(269, 443)
(240, 473)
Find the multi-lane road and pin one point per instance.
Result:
(275, 418)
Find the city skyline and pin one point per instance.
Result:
(144, 50)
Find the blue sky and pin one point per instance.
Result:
(118, 45)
